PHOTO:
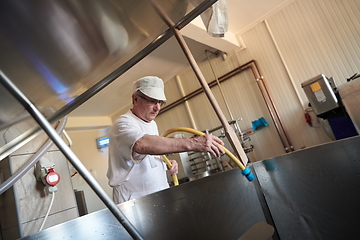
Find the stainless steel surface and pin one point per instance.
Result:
(54, 51)
(314, 193)
(203, 174)
(308, 194)
(350, 97)
(222, 206)
(60, 53)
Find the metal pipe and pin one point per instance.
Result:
(14, 121)
(273, 105)
(41, 120)
(227, 76)
(200, 90)
(194, 13)
(254, 62)
(271, 112)
(279, 129)
(229, 166)
(19, 141)
(68, 139)
(218, 83)
(234, 141)
(219, 127)
(236, 125)
(221, 79)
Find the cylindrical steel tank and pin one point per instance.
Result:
(55, 51)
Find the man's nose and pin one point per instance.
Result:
(157, 106)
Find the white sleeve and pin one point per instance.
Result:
(126, 134)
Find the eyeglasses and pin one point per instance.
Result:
(153, 101)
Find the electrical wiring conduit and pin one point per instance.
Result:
(244, 170)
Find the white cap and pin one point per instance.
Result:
(150, 86)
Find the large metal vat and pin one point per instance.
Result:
(307, 194)
(350, 96)
(60, 53)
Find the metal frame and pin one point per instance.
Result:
(45, 124)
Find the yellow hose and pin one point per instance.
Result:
(168, 163)
(193, 131)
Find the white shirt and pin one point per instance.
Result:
(130, 174)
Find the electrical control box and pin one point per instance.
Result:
(320, 94)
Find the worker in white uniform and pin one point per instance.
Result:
(135, 166)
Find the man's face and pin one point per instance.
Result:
(146, 108)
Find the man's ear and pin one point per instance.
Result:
(134, 98)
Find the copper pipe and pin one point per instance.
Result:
(273, 105)
(270, 111)
(235, 71)
(227, 76)
(247, 66)
(229, 166)
(200, 90)
(271, 102)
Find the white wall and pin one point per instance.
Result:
(296, 43)
(318, 36)
(95, 160)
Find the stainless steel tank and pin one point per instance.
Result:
(350, 96)
(307, 194)
(55, 52)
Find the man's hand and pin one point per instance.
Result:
(174, 168)
(209, 143)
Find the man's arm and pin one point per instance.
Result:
(157, 145)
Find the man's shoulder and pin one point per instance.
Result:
(127, 115)
(126, 119)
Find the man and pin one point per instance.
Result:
(135, 165)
